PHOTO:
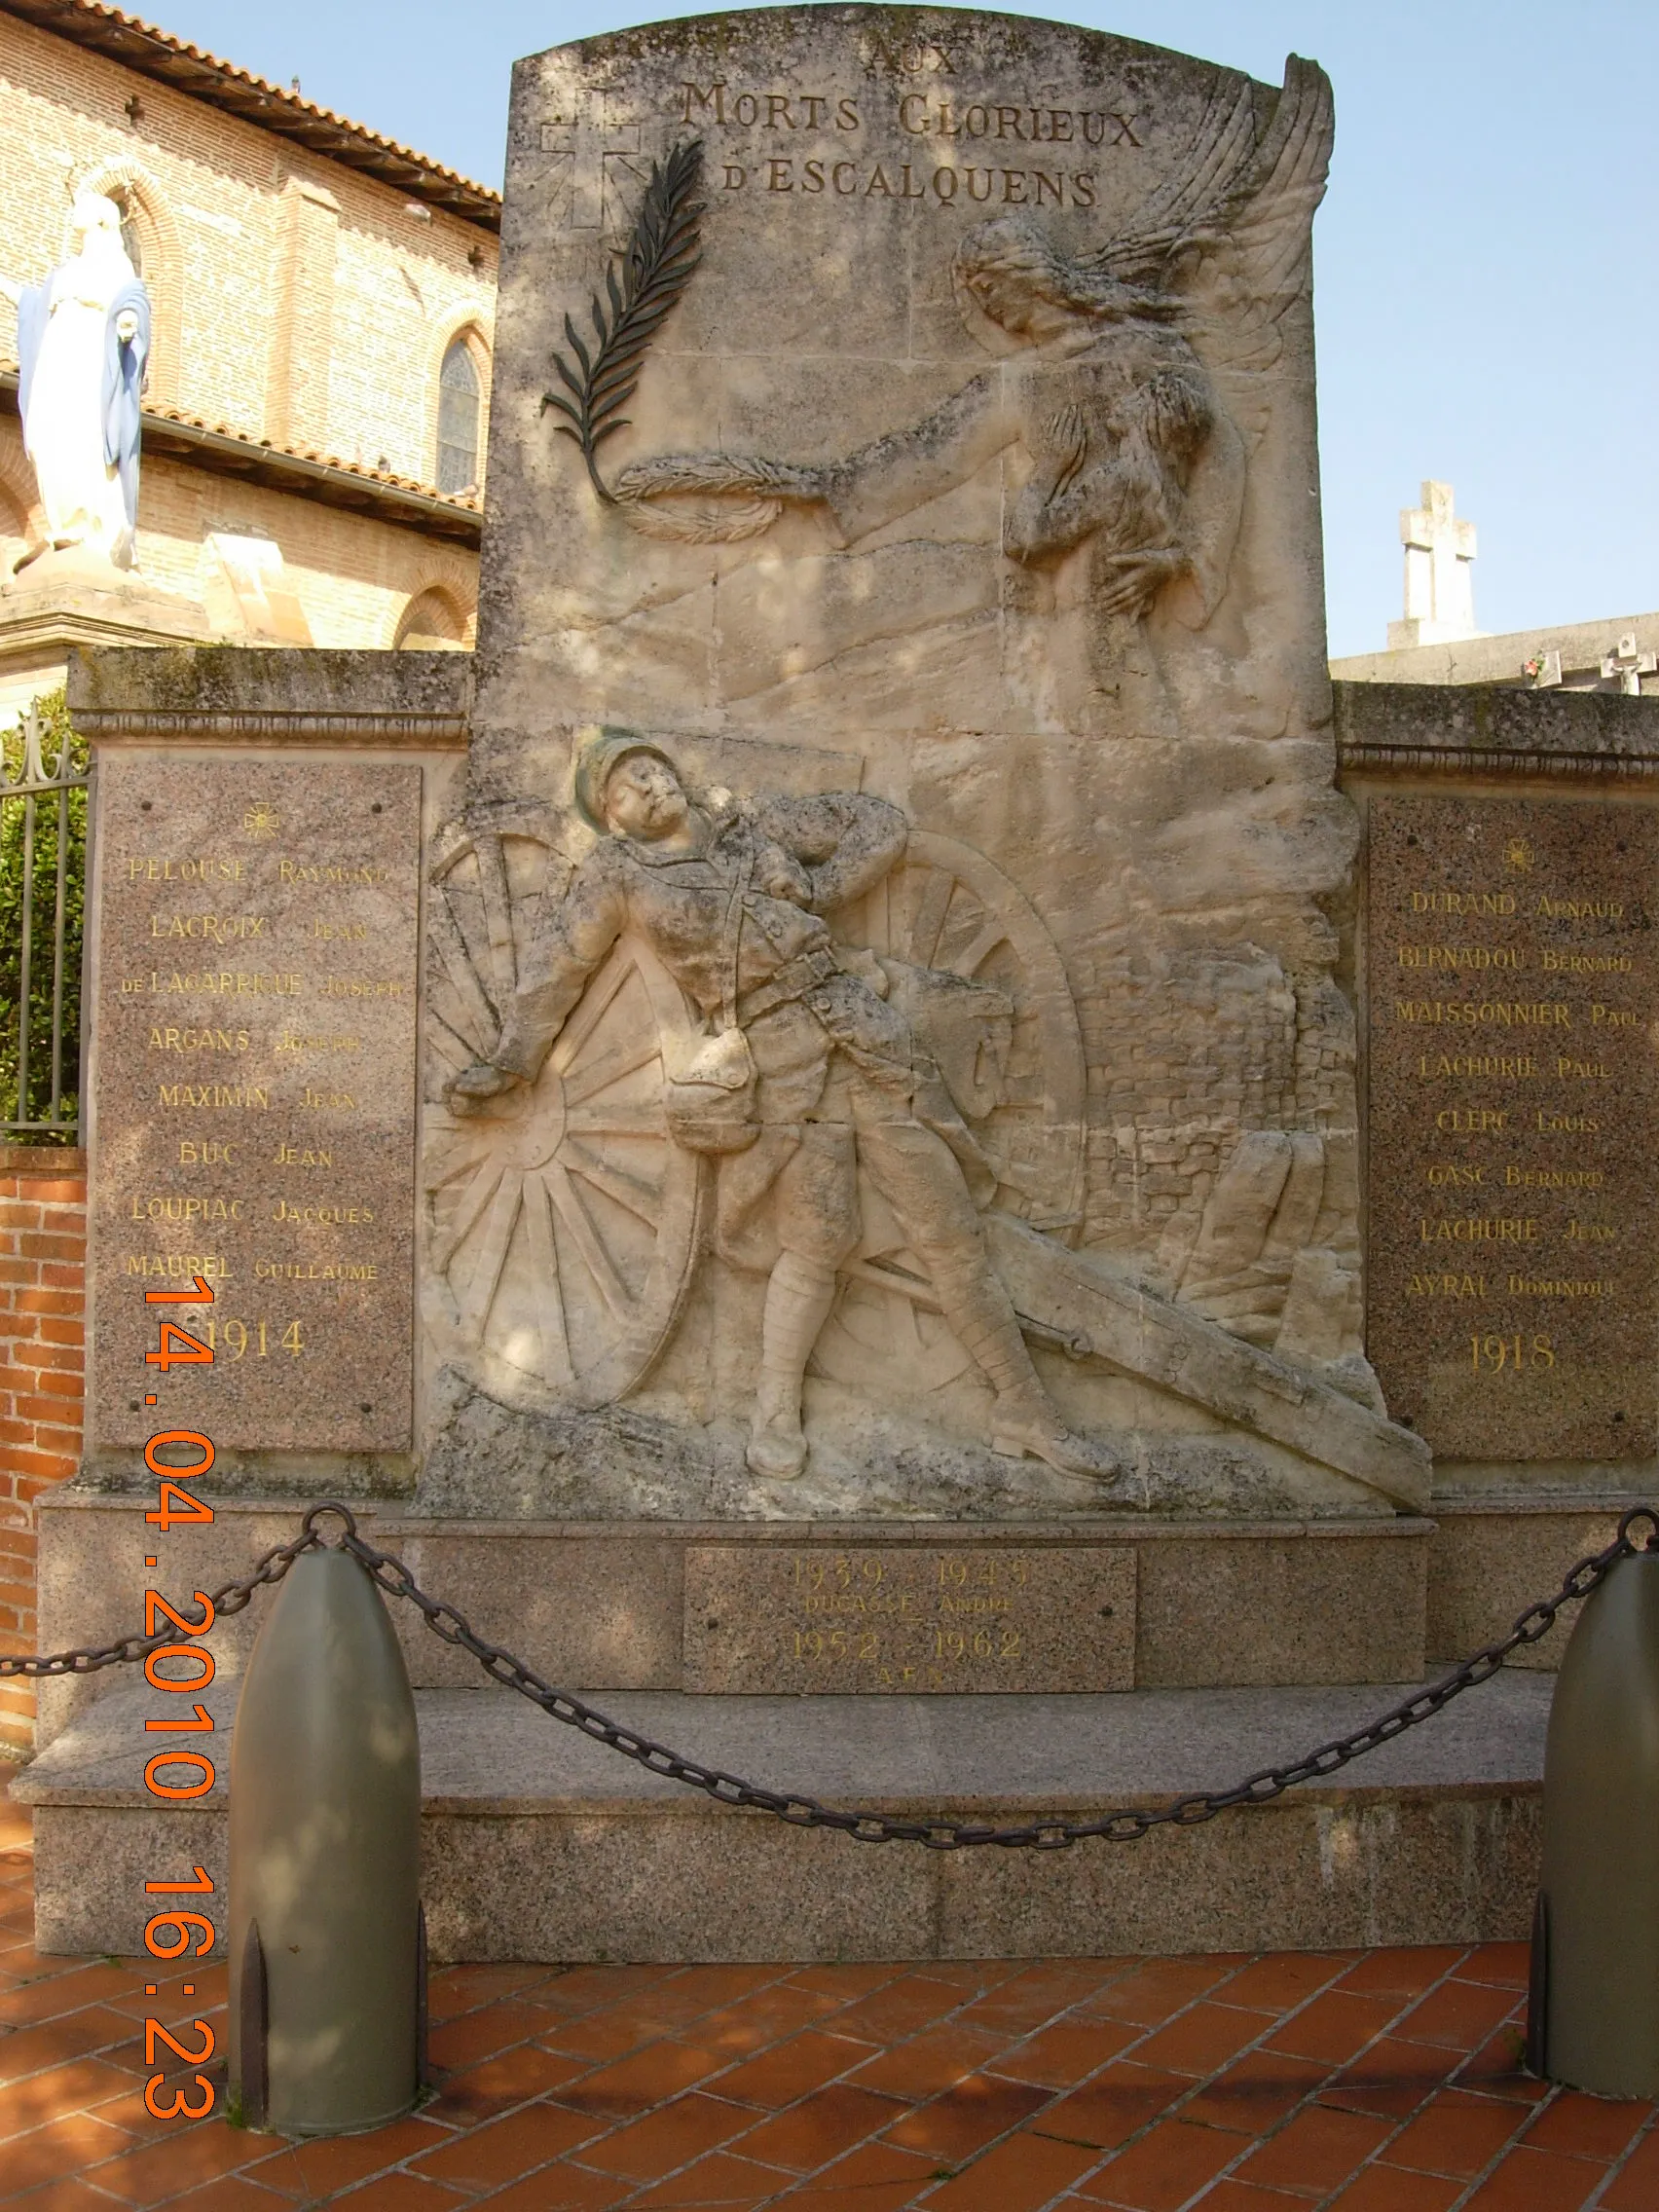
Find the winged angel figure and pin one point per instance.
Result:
(1136, 376)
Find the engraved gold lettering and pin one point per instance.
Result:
(205, 871)
(179, 1206)
(1477, 1228)
(199, 1040)
(211, 929)
(249, 1096)
(1502, 1014)
(332, 1217)
(1462, 901)
(1437, 1064)
(1454, 957)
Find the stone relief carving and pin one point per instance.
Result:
(1135, 381)
(667, 1043)
(1224, 1162)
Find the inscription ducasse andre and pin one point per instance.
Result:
(909, 1621)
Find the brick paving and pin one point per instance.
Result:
(1369, 2081)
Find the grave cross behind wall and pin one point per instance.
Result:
(1440, 553)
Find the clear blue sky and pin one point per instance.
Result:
(1487, 259)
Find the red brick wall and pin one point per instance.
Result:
(42, 1247)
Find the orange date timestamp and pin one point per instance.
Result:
(180, 1768)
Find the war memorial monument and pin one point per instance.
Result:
(882, 1137)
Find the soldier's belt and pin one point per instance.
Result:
(791, 981)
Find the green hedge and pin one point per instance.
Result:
(54, 714)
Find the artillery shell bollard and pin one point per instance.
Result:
(1592, 2018)
(326, 1943)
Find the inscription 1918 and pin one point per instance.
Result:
(1512, 1125)
(904, 1620)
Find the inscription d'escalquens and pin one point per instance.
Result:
(944, 127)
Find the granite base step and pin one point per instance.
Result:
(541, 1844)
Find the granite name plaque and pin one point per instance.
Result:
(906, 1619)
(1512, 1125)
(254, 1099)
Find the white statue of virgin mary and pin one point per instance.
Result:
(83, 340)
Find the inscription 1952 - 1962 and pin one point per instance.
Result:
(907, 1620)
(1512, 1125)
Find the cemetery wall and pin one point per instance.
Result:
(43, 1242)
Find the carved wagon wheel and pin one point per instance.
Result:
(946, 906)
(562, 1222)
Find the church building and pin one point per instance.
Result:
(318, 386)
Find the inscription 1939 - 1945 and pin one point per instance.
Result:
(1513, 1119)
(905, 1619)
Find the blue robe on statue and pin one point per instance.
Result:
(125, 360)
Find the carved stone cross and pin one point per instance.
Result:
(1440, 552)
(588, 133)
(1630, 665)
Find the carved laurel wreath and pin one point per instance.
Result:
(642, 286)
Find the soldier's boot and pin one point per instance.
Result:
(1024, 1420)
(798, 1299)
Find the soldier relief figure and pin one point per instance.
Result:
(805, 1072)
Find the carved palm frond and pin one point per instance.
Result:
(654, 269)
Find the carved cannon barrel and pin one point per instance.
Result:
(326, 1935)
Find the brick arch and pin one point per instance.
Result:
(439, 606)
(471, 323)
(164, 282)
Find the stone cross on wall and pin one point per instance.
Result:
(584, 135)
(1440, 553)
(1629, 665)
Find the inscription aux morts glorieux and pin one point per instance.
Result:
(919, 114)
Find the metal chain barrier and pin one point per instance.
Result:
(1126, 1826)
(92, 1659)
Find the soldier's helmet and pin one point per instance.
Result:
(601, 753)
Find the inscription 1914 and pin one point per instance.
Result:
(906, 1621)
(1512, 1125)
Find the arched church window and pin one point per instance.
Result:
(459, 410)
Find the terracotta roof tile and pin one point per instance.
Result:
(141, 46)
(468, 502)
(465, 502)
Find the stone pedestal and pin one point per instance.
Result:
(70, 598)
(540, 1846)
